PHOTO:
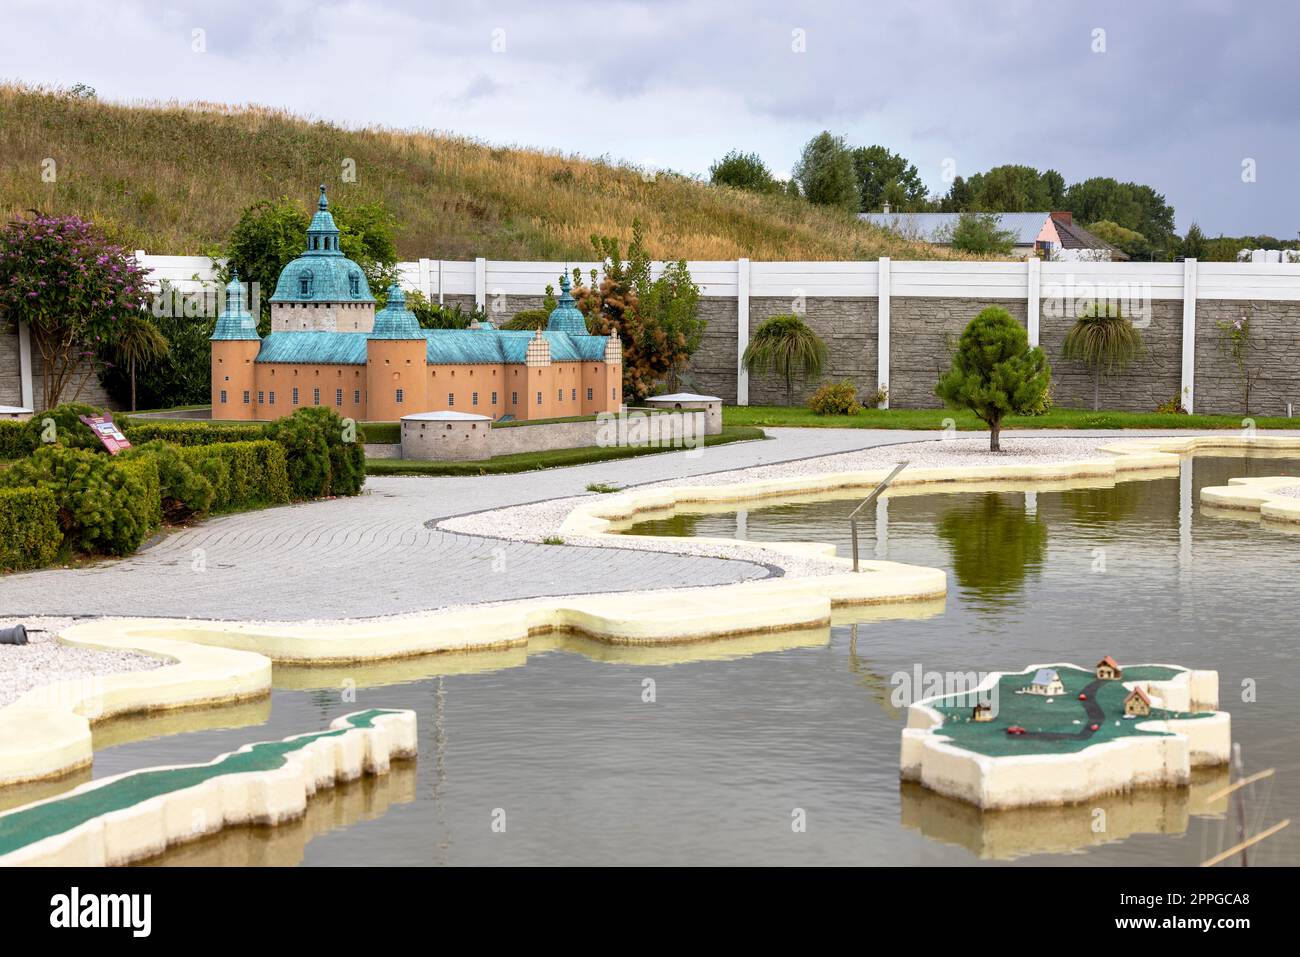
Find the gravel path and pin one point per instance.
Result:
(1292, 491)
(43, 659)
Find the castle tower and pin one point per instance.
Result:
(396, 362)
(322, 290)
(566, 316)
(235, 345)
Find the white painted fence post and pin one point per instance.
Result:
(1189, 333)
(426, 278)
(882, 330)
(1035, 311)
(742, 330)
(480, 282)
(28, 400)
(440, 285)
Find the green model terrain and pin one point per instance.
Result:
(1043, 722)
(28, 825)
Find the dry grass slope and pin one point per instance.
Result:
(172, 179)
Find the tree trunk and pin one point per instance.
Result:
(995, 432)
(132, 385)
(1096, 390)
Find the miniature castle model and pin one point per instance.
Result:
(1045, 682)
(329, 347)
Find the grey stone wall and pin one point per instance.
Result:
(922, 335)
(849, 328)
(1275, 326)
(1148, 382)
(712, 369)
(11, 386)
(11, 393)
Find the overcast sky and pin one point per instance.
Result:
(1176, 95)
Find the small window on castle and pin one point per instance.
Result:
(451, 399)
(473, 399)
(295, 395)
(589, 396)
(574, 395)
(354, 284)
(261, 397)
(356, 396)
(399, 396)
(559, 395)
(223, 396)
(338, 396)
(305, 285)
(315, 396)
(246, 397)
(539, 398)
(272, 402)
(494, 398)
(514, 398)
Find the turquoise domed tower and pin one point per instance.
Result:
(322, 290)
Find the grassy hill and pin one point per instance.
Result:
(172, 179)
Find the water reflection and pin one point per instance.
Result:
(993, 544)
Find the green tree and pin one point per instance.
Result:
(1011, 189)
(995, 373)
(1130, 205)
(743, 171)
(270, 234)
(656, 320)
(825, 173)
(1193, 244)
(1103, 341)
(883, 175)
(960, 198)
(139, 342)
(1055, 184)
(787, 346)
(1133, 243)
(981, 233)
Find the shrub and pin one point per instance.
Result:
(29, 528)
(529, 320)
(835, 398)
(877, 399)
(105, 505)
(182, 490)
(194, 433)
(324, 457)
(242, 474)
(1172, 406)
(787, 346)
(995, 372)
(13, 440)
(67, 430)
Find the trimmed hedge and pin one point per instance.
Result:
(140, 431)
(325, 457)
(105, 505)
(13, 439)
(29, 528)
(242, 474)
(182, 490)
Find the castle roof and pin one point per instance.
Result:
(322, 273)
(566, 317)
(442, 347)
(395, 321)
(234, 320)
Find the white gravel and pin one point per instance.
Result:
(1292, 491)
(43, 659)
(532, 523)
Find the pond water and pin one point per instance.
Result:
(744, 738)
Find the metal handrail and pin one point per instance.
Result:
(875, 494)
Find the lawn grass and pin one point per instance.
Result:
(530, 461)
(774, 416)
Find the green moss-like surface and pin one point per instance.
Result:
(1033, 713)
(26, 826)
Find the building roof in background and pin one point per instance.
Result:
(1074, 236)
(936, 227)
